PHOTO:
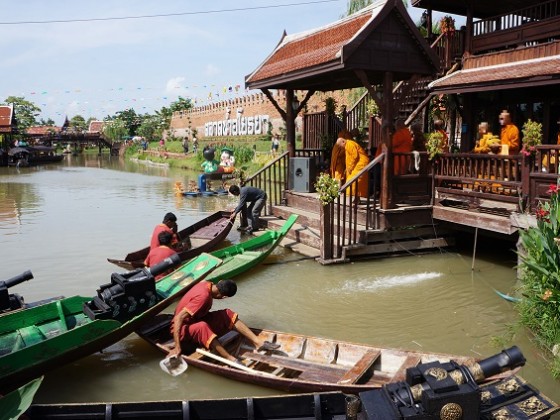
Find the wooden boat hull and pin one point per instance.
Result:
(241, 257)
(303, 363)
(205, 235)
(38, 339)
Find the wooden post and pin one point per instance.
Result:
(326, 215)
(387, 113)
(290, 123)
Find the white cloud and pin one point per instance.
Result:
(211, 70)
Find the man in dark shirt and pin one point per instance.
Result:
(256, 198)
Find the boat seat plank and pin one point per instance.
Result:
(210, 231)
(411, 361)
(353, 375)
(309, 370)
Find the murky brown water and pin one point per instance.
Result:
(63, 221)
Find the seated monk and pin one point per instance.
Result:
(485, 139)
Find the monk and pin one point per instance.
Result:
(485, 139)
(356, 160)
(402, 143)
(509, 134)
(338, 159)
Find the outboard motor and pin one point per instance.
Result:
(438, 390)
(10, 302)
(128, 294)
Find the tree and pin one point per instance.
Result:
(78, 124)
(354, 6)
(25, 112)
(115, 130)
(48, 122)
(130, 119)
(181, 104)
(151, 128)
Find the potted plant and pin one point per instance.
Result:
(434, 145)
(532, 137)
(327, 189)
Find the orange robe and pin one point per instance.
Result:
(510, 136)
(356, 160)
(338, 166)
(402, 143)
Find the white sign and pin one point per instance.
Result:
(241, 126)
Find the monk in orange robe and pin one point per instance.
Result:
(509, 134)
(356, 160)
(402, 143)
(338, 159)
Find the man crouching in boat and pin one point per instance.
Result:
(194, 324)
(169, 224)
(163, 251)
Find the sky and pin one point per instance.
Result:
(96, 58)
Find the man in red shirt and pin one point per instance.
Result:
(163, 251)
(194, 323)
(169, 224)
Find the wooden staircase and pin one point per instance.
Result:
(410, 229)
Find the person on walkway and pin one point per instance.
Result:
(355, 160)
(194, 325)
(160, 253)
(440, 128)
(169, 224)
(256, 199)
(275, 145)
(509, 133)
(186, 145)
(401, 143)
(338, 159)
(194, 144)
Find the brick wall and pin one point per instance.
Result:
(248, 106)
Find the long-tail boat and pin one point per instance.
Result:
(302, 363)
(202, 236)
(241, 257)
(35, 340)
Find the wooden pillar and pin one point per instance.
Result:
(386, 185)
(290, 123)
(326, 214)
(469, 31)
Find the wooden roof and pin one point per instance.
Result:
(481, 8)
(7, 118)
(533, 72)
(42, 130)
(380, 38)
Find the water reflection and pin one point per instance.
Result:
(64, 221)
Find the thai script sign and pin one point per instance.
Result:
(240, 126)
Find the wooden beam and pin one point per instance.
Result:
(274, 103)
(372, 91)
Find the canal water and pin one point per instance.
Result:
(62, 221)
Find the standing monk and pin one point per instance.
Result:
(195, 325)
(509, 134)
(401, 143)
(356, 160)
(338, 159)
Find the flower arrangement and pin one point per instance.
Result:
(447, 24)
(327, 188)
(532, 137)
(434, 145)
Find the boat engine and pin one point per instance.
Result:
(10, 302)
(128, 294)
(438, 390)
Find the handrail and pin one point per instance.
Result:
(273, 178)
(265, 167)
(363, 171)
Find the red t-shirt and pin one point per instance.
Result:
(162, 228)
(197, 301)
(157, 255)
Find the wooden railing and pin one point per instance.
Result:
(342, 217)
(488, 176)
(531, 24)
(320, 130)
(273, 178)
(449, 47)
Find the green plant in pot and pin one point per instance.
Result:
(327, 189)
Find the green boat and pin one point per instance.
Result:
(38, 339)
(14, 404)
(241, 257)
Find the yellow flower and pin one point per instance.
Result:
(547, 295)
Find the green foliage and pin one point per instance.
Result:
(24, 111)
(327, 188)
(372, 108)
(540, 262)
(181, 104)
(532, 137)
(434, 145)
(330, 105)
(115, 130)
(151, 128)
(78, 123)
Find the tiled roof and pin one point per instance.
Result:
(537, 71)
(95, 127)
(6, 115)
(311, 49)
(42, 130)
